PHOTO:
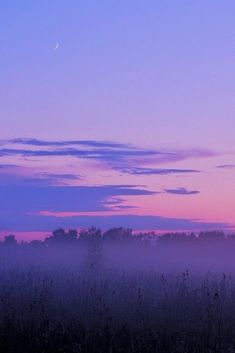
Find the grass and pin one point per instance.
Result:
(84, 310)
(128, 298)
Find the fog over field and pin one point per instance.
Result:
(117, 132)
(116, 292)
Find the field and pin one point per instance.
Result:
(113, 298)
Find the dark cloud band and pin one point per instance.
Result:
(181, 191)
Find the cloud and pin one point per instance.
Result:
(55, 177)
(48, 223)
(122, 157)
(182, 191)
(98, 154)
(88, 143)
(29, 199)
(8, 166)
(16, 175)
(157, 171)
(226, 166)
(25, 192)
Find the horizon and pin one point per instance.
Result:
(117, 169)
(22, 237)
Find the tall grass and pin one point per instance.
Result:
(115, 298)
(63, 309)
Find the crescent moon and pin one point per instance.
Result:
(57, 46)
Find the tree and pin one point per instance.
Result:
(118, 234)
(10, 240)
(60, 236)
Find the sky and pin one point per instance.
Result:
(127, 121)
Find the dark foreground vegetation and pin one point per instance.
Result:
(117, 292)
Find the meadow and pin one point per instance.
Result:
(101, 294)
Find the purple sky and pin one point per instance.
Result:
(130, 121)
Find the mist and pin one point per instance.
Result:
(115, 291)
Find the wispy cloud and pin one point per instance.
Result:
(119, 156)
(8, 166)
(157, 171)
(60, 176)
(99, 154)
(182, 191)
(16, 175)
(226, 166)
(88, 143)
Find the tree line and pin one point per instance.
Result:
(119, 235)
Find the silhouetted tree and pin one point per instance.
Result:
(10, 240)
(118, 234)
(60, 236)
(212, 236)
(72, 235)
